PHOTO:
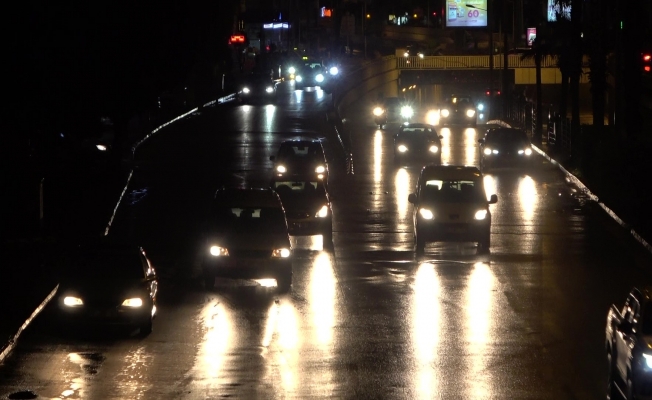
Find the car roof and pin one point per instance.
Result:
(247, 197)
(450, 172)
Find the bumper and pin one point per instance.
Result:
(506, 160)
(247, 267)
(446, 232)
(105, 316)
(458, 119)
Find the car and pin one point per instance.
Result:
(108, 284)
(246, 237)
(391, 110)
(627, 344)
(450, 205)
(301, 157)
(257, 87)
(505, 147)
(458, 109)
(417, 143)
(414, 50)
(307, 207)
(311, 74)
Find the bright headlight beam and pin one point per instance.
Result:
(445, 113)
(281, 169)
(282, 253)
(334, 71)
(245, 90)
(648, 360)
(426, 214)
(378, 111)
(320, 169)
(218, 251)
(480, 214)
(72, 301)
(323, 212)
(133, 302)
(470, 113)
(319, 78)
(433, 149)
(402, 148)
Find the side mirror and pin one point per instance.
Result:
(272, 158)
(412, 198)
(493, 199)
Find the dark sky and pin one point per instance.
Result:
(111, 54)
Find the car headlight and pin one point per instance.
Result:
(426, 214)
(281, 169)
(101, 147)
(320, 169)
(319, 78)
(298, 78)
(402, 148)
(378, 111)
(133, 302)
(420, 55)
(407, 112)
(480, 214)
(334, 71)
(281, 253)
(218, 251)
(245, 90)
(527, 151)
(470, 112)
(72, 301)
(269, 89)
(487, 151)
(445, 113)
(481, 107)
(292, 70)
(406, 54)
(433, 149)
(322, 213)
(648, 360)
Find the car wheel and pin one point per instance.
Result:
(327, 239)
(420, 246)
(284, 282)
(146, 327)
(484, 244)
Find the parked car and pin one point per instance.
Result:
(246, 237)
(450, 205)
(307, 207)
(108, 284)
(301, 157)
(505, 147)
(628, 343)
(417, 143)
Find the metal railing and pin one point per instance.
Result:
(471, 62)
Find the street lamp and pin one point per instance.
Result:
(491, 54)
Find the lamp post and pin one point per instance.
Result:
(491, 53)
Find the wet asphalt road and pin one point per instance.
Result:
(369, 320)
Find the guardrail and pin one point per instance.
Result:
(471, 62)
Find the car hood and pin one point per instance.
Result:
(253, 241)
(302, 204)
(100, 288)
(517, 145)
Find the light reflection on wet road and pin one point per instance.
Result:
(367, 321)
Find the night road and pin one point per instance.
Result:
(368, 320)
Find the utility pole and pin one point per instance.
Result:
(491, 57)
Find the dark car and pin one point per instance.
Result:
(505, 147)
(391, 110)
(108, 284)
(458, 109)
(417, 143)
(311, 74)
(304, 157)
(257, 87)
(246, 237)
(450, 205)
(307, 207)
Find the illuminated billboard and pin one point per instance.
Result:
(466, 13)
(556, 8)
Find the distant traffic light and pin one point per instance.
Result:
(647, 62)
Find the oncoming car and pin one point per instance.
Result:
(311, 74)
(417, 143)
(246, 237)
(392, 109)
(450, 205)
(304, 157)
(307, 207)
(108, 284)
(257, 87)
(505, 147)
(458, 110)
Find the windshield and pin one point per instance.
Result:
(307, 151)
(250, 219)
(299, 189)
(459, 100)
(506, 135)
(454, 191)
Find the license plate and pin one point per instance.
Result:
(456, 230)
